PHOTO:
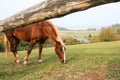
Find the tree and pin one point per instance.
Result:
(117, 27)
(118, 30)
(107, 34)
(49, 9)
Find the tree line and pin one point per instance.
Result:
(111, 33)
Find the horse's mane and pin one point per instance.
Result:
(56, 33)
(54, 30)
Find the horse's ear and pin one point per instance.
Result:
(64, 40)
(58, 42)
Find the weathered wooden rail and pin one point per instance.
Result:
(48, 9)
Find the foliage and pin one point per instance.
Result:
(107, 34)
(48, 43)
(1, 47)
(71, 41)
(1, 43)
(118, 30)
(93, 39)
(95, 61)
(23, 45)
(117, 27)
(1, 39)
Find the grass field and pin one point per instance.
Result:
(78, 33)
(95, 61)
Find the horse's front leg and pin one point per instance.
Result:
(40, 51)
(28, 52)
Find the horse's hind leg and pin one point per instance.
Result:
(28, 52)
(40, 50)
(13, 45)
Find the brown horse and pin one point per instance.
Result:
(37, 32)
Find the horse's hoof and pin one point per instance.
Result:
(17, 61)
(40, 61)
(25, 63)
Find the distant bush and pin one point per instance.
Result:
(69, 41)
(23, 45)
(1, 39)
(118, 36)
(93, 39)
(117, 27)
(118, 30)
(107, 34)
(48, 43)
(1, 47)
(72, 41)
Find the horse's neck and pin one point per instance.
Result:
(56, 39)
(53, 35)
(52, 32)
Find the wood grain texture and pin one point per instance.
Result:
(48, 9)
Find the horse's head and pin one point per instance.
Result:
(60, 50)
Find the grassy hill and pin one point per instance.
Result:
(95, 61)
(78, 33)
(62, 28)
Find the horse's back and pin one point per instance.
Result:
(33, 31)
(27, 33)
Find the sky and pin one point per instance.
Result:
(96, 17)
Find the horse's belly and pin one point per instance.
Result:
(21, 36)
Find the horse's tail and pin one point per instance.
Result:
(6, 46)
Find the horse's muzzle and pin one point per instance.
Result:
(63, 61)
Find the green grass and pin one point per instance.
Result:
(95, 61)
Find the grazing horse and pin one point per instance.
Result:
(36, 32)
